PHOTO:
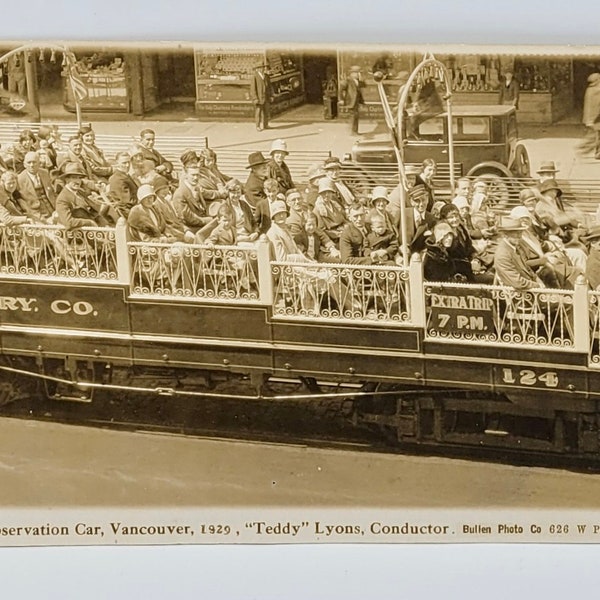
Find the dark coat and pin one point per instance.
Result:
(142, 227)
(387, 242)
(354, 245)
(437, 264)
(417, 234)
(253, 190)
(509, 94)
(462, 252)
(260, 88)
(122, 191)
(321, 241)
(191, 210)
(281, 173)
(75, 211)
(352, 95)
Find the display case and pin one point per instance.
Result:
(546, 84)
(223, 81)
(105, 78)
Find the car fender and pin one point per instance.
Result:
(490, 166)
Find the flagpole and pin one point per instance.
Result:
(75, 96)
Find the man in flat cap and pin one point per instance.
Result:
(352, 96)
(591, 117)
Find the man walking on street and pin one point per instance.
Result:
(352, 96)
(260, 94)
(591, 117)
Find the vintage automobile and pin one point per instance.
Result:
(486, 145)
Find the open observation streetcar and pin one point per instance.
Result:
(423, 363)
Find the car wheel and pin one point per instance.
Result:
(522, 166)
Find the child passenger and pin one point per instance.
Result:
(315, 243)
(382, 241)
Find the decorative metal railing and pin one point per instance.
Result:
(223, 273)
(53, 251)
(340, 291)
(500, 315)
(594, 312)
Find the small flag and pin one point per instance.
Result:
(80, 90)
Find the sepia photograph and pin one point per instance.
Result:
(270, 293)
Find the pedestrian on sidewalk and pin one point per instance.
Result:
(352, 96)
(260, 94)
(591, 117)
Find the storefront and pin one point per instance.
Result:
(546, 83)
(391, 64)
(223, 80)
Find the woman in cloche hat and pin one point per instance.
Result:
(278, 169)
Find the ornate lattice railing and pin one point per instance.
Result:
(52, 251)
(223, 273)
(339, 291)
(594, 308)
(500, 315)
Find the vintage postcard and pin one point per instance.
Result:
(263, 294)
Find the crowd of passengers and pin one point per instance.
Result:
(542, 242)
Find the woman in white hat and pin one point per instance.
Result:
(278, 169)
(380, 202)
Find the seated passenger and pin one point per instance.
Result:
(164, 206)
(354, 244)
(245, 224)
(510, 266)
(35, 188)
(278, 168)
(331, 218)
(259, 172)
(145, 223)
(298, 212)
(437, 263)
(425, 178)
(545, 265)
(380, 202)
(122, 187)
(224, 234)
(210, 175)
(592, 272)
(311, 192)
(419, 221)
(136, 168)
(10, 208)
(313, 242)
(73, 208)
(188, 201)
(75, 156)
(462, 189)
(283, 244)
(262, 213)
(345, 196)
(462, 251)
(99, 166)
(211, 181)
(15, 155)
(383, 242)
(149, 152)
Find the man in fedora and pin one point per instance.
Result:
(260, 95)
(278, 168)
(546, 171)
(73, 208)
(352, 96)
(591, 117)
(509, 264)
(259, 172)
